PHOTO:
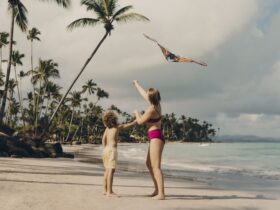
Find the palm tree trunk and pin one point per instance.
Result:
(1, 59)
(37, 108)
(81, 71)
(72, 116)
(2, 110)
(31, 60)
(42, 103)
(19, 96)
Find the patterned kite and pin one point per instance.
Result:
(169, 56)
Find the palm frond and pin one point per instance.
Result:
(112, 5)
(105, 7)
(122, 11)
(4, 39)
(83, 22)
(131, 17)
(20, 12)
(63, 3)
(96, 6)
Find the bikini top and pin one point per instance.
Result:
(154, 120)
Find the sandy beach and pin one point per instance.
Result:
(67, 184)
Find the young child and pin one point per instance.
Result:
(109, 142)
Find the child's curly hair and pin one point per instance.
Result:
(110, 119)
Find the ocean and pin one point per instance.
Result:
(235, 166)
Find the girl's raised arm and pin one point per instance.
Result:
(141, 90)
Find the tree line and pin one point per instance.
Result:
(44, 110)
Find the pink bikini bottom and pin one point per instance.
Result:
(155, 134)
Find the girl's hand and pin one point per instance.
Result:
(134, 82)
(135, 112)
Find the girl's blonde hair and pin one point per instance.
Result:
(110, 119)
(154, 96)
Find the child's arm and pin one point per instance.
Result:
(104, 138)
(128, 125)
(141, 90)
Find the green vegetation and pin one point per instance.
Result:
(70, 117)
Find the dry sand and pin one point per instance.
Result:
(66, 184)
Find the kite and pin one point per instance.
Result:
(169, 56)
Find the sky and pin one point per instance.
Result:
(239, 40)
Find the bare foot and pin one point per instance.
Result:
(154, 194)
(112, 195)
(159, 197)
(104, 193)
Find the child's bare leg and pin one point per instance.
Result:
(110, 182)
(105, 182)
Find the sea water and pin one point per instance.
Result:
(237, 166)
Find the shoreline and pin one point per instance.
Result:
(219, 178)
(65, 184)
(70, 184)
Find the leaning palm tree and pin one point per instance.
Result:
(3, 42)
(18, 15)
(107, 13)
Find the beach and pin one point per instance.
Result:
(60, 184)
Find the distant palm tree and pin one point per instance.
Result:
(16, 60)
(18, 14)
(101, 94)
(89, 87)
(52, 92)
(47, 69)
(33, 35)
(75, 100)
(3, 42)
(107, 14)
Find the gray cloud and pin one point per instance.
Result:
(237, 92)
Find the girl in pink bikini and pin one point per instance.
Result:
(152, 117)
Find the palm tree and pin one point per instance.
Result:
(75, 100)
(33, 35)
(16, 60)
(18, 14)
(52, 92)
(3, 42)
(107, 14)
(89, 87)
(11, 86)
(47, 69)
(101, 94)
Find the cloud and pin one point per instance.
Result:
(238, 39)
